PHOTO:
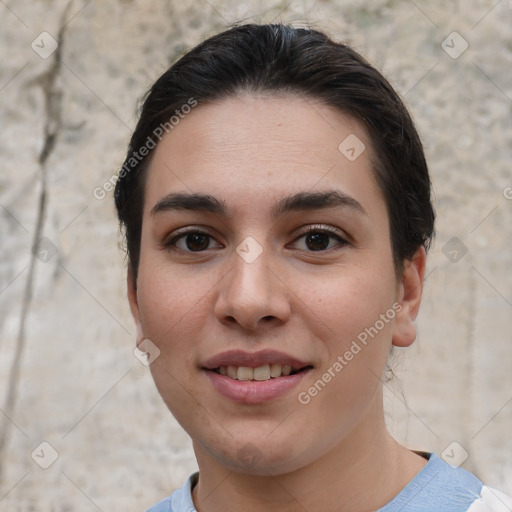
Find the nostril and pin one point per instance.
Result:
(268, 318)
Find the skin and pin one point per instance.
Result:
(250, 151)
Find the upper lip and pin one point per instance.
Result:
(253, 359)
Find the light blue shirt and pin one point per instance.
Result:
(437, 487)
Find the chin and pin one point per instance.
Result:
(258, 456)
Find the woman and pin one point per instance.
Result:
(276, 204)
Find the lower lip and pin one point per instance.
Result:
(254, 392)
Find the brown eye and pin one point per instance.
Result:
(197, 241)
(318, 239)
(191, 241)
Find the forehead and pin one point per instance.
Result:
(259, 147)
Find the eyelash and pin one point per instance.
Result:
(170, 244)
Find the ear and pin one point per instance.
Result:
(134, 303)
(409, 298)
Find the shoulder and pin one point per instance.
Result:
(180, 500)
(440, 486)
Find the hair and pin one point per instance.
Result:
(281, 59)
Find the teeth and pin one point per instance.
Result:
(275, 370)
(261, 373)
(245, 373)
(286, 370)
(232, 372)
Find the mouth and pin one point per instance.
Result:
(259, 373)
(253, 377)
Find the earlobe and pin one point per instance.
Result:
(409, 299)
(134, 304)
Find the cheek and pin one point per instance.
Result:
(173, 313)
(353, 319)
(172, 310)
(343, 306)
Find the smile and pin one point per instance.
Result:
(255, 377)
(260, 373)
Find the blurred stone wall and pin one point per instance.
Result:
(70, 75)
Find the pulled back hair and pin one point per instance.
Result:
(282, 59)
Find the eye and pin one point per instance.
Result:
(190, 241)
(320, 238)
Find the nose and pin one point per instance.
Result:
(252, 295)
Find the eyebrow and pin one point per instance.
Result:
(301, 201)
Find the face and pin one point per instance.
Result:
(265, 259)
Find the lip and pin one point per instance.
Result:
(254, 392)
(253, 359)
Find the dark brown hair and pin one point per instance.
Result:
(280, 58)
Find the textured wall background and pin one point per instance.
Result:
(70, 73)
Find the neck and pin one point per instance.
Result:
(363, 472)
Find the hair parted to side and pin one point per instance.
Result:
(282, 59)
